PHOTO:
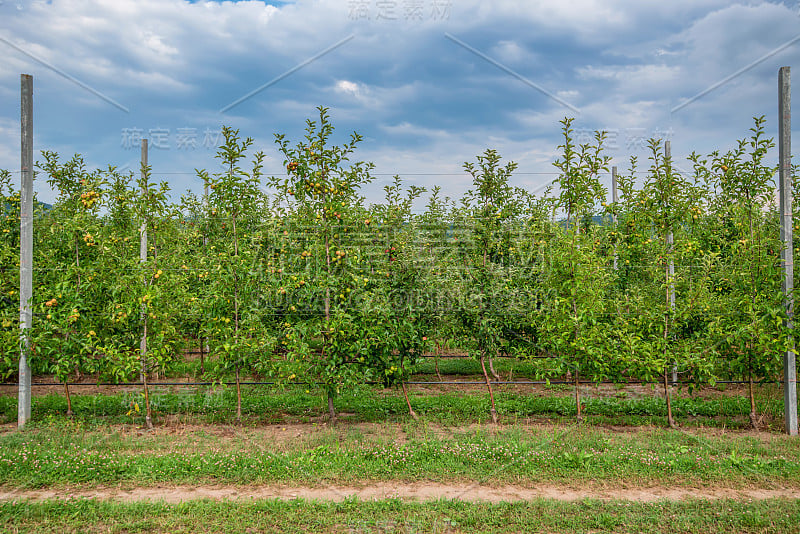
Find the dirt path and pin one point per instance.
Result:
(405, 491)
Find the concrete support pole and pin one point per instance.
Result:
(143, 259)
(787, 254)
(25, 250)
(614, 199)
(671, 266)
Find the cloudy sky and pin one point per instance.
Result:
(428, 83)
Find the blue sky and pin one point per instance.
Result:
(428, 83)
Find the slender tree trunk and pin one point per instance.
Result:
(78, 263)
(78, 287)
(69, 399)
(753, 413)
(411, 411)
(148, 414)
(492, 411)
(236, 318)
(667, 396)
(202, 356)
(575, 246)
(491, 363)
(331, 409)
(143, 346)
(579, 412)
(235, 281)
(204, 340)
(238, 396)
(327, 272)
(491, 368)
(436, 361)
(754, 278)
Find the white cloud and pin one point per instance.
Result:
(344, 86)
(406, 128)
(510, 52)
(423, 103)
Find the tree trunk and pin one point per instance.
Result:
(238, 397)
(411, 411)
(489, 386)
(491, 368)
(143, 345)
(579, 411)
(436, 361)
(235, 281)
(202, 356)
(331, 409)
(78, 263)
(753, 413)
(236, 318)
(69, 399)
(667, 396)
(327, 283)
(148, 414)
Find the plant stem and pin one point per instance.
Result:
(579, 416)
(411, 411)
(238, 396)
(331, 409)
(489, 386)
(69, 399)
(202, 355)
(753, 415)
(235, 282)
(436, 360)
(491, 368)
(670, 420)
(148, 417)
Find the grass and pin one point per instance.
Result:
(61, 452)
(264, 404)
(353, 516)
(194, 443)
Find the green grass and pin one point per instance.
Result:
(265, 404)
(353, 516)
(64, 452)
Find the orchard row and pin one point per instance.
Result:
(310, 284)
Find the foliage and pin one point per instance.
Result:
(295, 279)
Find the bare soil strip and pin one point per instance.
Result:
(406, 491)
